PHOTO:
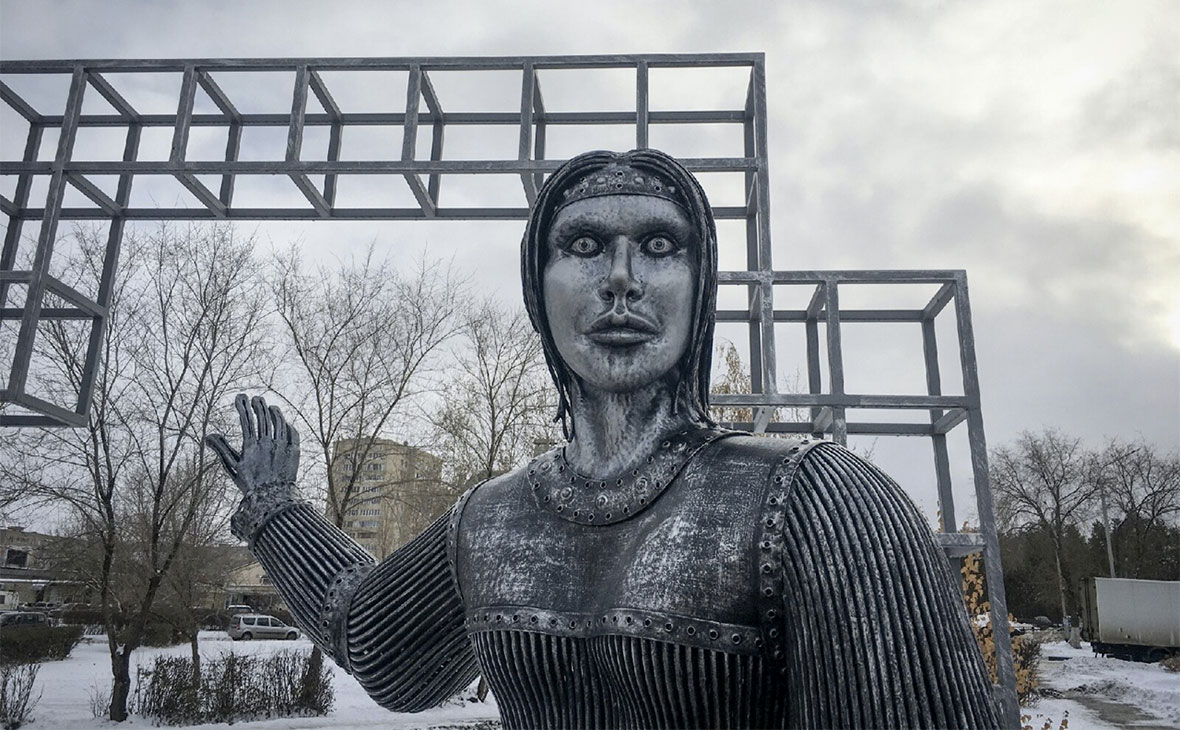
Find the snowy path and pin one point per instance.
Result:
(1098, 693)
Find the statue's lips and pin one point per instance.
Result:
(621, 336)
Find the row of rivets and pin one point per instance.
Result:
(699, 632)
(771, 545)
(591, 501)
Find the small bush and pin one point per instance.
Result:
(231, 688)
(100, 701)
(1172, 663)
(1026, 650)
(16, 694)
(80, 617)
(38, 643)
(161, 634)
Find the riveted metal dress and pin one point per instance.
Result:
(731, 581)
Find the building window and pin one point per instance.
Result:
(16, 558)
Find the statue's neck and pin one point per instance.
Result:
(614, 432)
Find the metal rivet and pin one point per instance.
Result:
(669, 626)
(757, 643)
(774, 500)
(771, 613)
(561, 508)
(626, 509)
(567, 493)
(546, 497)
(619, 483)
(712, 633)
(532, 472)
(499, 617)
(630, 620)
(778, 653)
(736, 638)
(773, 633)
(590, 517)
(516, 618)
(768, 591)
(665, 445)
(766, 568)
(601, 500)
(552, 622)
(778, 479)
(609, 515)
(766, 544)
(614, 619)
(532, 619)
(691, 631)
(647, 622)
(589, 484)
(770, 522)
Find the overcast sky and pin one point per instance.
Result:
(1036, 145)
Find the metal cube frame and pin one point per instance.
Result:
(424, 179)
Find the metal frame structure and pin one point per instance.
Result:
(425, 179)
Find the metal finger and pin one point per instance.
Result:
(261, 416)
(225, 452)
(242, 403)
(278, 427)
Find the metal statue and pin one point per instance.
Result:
(656, 571)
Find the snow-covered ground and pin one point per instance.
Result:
(1098, 693)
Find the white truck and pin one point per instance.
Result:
(1131, 619)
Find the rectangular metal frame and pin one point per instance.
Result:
(425, 178)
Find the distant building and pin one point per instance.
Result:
(397, 491)
(25, 575)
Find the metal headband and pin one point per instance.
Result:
(619, 179)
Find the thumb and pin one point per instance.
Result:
(229, 457)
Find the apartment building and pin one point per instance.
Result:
(396, 492)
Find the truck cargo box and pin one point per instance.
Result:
(1130, 617)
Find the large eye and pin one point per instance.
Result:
(584, 246)
(659, 246)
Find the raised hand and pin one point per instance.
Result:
(270, 447)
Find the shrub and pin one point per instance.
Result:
(38, 643)
(232, 687)
(161, 634)
(1026, 651)
(16, 694)
(1172, 663)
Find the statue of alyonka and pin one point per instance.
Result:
(655, 571)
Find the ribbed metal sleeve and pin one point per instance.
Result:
(875, 629)
(406, 639)
(303, 554)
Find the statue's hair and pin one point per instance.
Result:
(693, 370)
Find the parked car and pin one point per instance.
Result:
(20, 619)
(259, 626)
(235, 609)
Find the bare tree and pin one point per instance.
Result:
(1044, 479)
(1142, 485)
(185, 332)
(357, 341)
(499, 403)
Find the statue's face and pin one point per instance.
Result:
(618, 288)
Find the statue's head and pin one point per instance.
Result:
(619, 267)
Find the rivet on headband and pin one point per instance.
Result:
(617, 179)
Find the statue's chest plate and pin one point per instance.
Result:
(691, 553)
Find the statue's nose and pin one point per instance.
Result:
(620, 285)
